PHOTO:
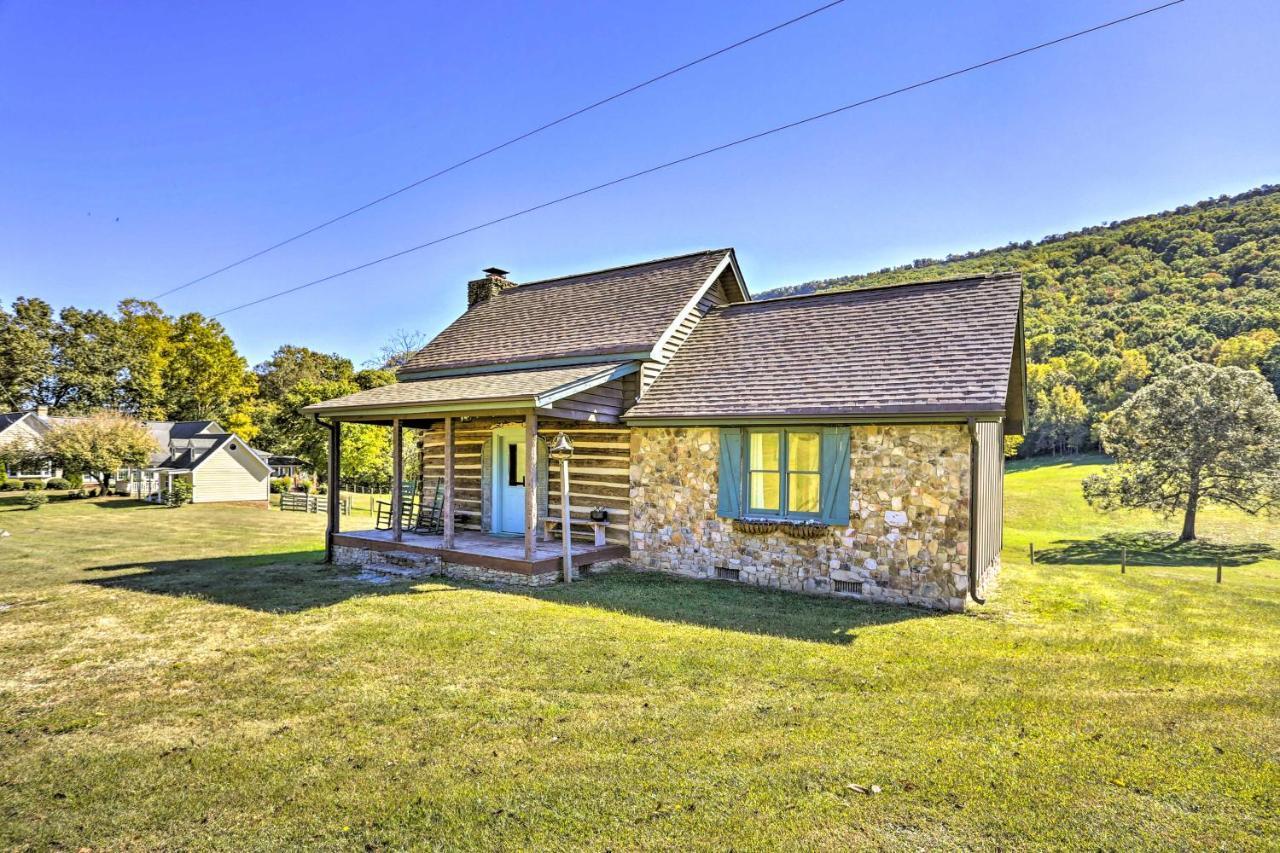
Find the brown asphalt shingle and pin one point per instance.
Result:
(934, 347)
(476, 387)
(619, 310)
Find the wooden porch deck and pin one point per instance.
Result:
(504, 553)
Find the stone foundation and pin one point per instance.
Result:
(415, 565)
(907, 541)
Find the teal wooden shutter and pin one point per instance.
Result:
(730, 505)
(835, 476)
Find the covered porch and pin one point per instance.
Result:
(501, 505)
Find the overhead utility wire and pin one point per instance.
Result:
(512, 141)
(1024, 51)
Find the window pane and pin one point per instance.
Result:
(764, 451)
(802, 451)
(802, 493)
(764, 491)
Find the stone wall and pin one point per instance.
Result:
(907, 542)
(410, 564)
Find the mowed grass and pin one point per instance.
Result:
(195, 678)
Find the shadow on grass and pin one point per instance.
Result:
(269, 583)
(728, 606)
(298, 581)
(1153, 549)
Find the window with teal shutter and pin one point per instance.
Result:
(793, 473)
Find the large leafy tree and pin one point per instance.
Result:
(100, 445)
(295, 377)
(1203, 434)
(205, 377)
(26, 351)
(146, 333)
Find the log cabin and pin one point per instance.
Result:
(840, 443)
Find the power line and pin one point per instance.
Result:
(512, 141)
(685, 159)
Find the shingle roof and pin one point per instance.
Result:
(513, 385)
(8, 419)
(927, 348)
(619, 310)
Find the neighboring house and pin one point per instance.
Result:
(840, 443)
(286, 466)
(218, 464)
(30, 427)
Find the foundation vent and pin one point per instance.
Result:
(848, 587)
(727, 574)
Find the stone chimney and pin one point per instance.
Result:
(483, 289)
(42, 412)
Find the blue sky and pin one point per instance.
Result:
(145, 143)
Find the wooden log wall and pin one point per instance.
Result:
(599, 474)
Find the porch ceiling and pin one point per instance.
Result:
(488, 392)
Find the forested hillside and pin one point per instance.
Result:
(1112, 306)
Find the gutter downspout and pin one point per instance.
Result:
(973, 511)
(329, 520)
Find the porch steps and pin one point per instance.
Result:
(403, 564)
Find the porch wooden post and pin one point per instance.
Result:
(448, 482)
(397, 481)
(530, 484)
(566, 548)
(331, 524)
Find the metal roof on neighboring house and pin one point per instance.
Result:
(606, 312)
(943, 347)
(515, 386)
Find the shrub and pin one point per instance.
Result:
(33, 485)
(281, 485)
(320, 489)
(75, 480)
(58, 483)
(35, 500)
(180, 493)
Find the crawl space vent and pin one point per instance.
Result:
(727, 574)
(852, 587)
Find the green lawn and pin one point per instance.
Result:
(195, 678)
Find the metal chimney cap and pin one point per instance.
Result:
(496, 272)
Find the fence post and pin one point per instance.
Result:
(1219, 570)
(1124, 559)
(1033, 553)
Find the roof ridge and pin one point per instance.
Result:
(991, 276)
(616, 268)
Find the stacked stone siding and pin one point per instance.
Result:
(409, 564)
(907, 541)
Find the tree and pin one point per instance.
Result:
(1203, 434)
(1248, 350)
(295, 377)
(100, 444)
(147, 334)
(398, 349)
(26, 351)
(1060, 419)
(205, 377)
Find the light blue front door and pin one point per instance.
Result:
(508, 480)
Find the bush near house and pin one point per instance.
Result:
(180, 493)
(281, 485)
(33, 485)
(75, 480)
(58, 483)
(34, 500)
